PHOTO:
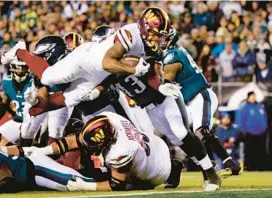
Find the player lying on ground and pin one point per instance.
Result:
(200, 99)
(135, 160)
(18, 173)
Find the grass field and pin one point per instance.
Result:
(249, 184)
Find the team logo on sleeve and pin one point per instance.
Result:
(168, 58)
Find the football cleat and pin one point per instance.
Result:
(174, 178)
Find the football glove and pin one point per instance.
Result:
(142, 67)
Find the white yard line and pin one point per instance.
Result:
(157, 193)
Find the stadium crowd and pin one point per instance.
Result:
(227, 37)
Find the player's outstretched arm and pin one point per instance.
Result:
(60, 146)
(118, 182)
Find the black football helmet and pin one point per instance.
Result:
(172, 40)
(102, 32)
(51, 48)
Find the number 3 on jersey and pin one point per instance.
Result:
(137, 86)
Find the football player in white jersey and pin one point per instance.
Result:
(144, 39)
(136, 161)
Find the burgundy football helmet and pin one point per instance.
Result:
(98, 134)
(73, 40)
(154, 26)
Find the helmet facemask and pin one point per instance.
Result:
(154, 26)
(19, 70)
(98, 135)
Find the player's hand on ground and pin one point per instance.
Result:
(31, 96)
(79, 184)
(11, 54)
(142, 67)
(169, 89)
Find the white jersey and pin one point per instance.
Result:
(84, 64)
(148, 154)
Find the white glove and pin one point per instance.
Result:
(11, 54)
(142, 67)
(48, 150)
(79, 185)
(87, 94)
(169, 89)
(31, 96)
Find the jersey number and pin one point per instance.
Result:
(192, 62)
(137, 86)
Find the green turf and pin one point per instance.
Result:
(190, 181)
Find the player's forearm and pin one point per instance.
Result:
(114, 66)
(64, 145)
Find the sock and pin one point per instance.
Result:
(205, 163)
(193, 147)
(217, 147)
(225, 160)
(209, 150)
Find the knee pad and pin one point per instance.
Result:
(203, 133)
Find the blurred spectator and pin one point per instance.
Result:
(228, 134)
(264, 70)
(222, 38)
(231, 6)
(202, 17)
(186, 42)
(244, 62)
(216, 14)
(207, 63)
(252, 120)
(187, 25)
(225, 61)
(197, 41)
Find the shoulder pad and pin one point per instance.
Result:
(125, 38)
(168, 58)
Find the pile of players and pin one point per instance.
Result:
(140, 61)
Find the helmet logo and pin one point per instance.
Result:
(153, 20)
(98, 136)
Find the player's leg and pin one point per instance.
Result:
(30, 127)
(10, 132)
(57, 121)
(52, 175)
(190, 143)
(202, 124)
